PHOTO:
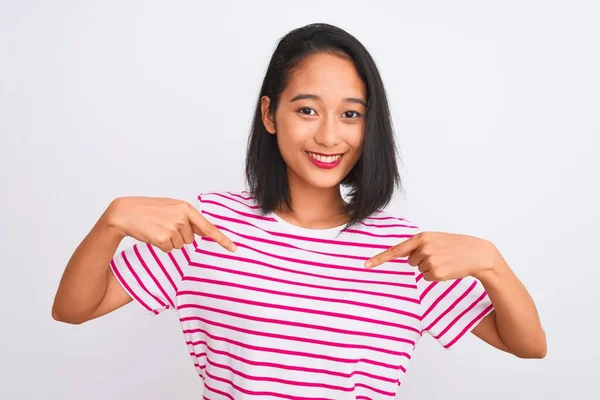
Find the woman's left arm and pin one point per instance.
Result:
(514, 325)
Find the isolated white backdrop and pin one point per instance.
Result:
(495, 106)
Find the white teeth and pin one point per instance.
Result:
(325, 159)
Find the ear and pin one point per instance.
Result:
(267, 119)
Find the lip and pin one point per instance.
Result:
(323, 154)
(323, 164)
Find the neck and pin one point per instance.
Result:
(313, 207)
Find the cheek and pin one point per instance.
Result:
(355, 138)
(292, 134)
(288, 142)
(357, 141)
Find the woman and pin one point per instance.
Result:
(291, 291)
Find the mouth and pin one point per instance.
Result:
(325, 160)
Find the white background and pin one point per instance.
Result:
(495, 106)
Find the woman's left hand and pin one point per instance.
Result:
(442, 256)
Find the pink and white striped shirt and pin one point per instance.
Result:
(293, 314)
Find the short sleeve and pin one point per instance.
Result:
(151, 276)
(450, 309)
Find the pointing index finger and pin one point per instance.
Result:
(402, 249)
(204, 227)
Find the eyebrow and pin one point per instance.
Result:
(315, 97)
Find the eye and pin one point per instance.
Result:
(306, 111)
(348, 114)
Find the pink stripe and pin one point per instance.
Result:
(292, 383)
(461, 315)
(304, 238)
(291, 323)
(451, 307)
(287, 245)
(254, 207)
(389, 225)
(328, 241)
(371, 388)
(198, 365)
(296, 283)
(186, 255)
(440, 297)
(305, 310)
(319, 264)
(222, 393)
(294, 338)
(176, 264)
(401, 236)
(153, 277)
(294, 353)
(162, 267)
(466, 329)
(384, 218)
(297, 295)
(262, 393)
(427, 290)
(290, 367)
(419, 277)
(129, 289)
(242, 197)
(245, 214)
(334, 278)
(137, 278)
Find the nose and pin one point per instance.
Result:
(329, 133)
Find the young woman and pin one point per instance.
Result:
(290, 290)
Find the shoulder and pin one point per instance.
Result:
(226, 198)
(228, 204)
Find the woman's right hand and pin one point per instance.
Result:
(88, 288)
(162, 222)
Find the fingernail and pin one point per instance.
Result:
(232, 247)
(368, 264)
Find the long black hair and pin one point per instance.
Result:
(374, 178)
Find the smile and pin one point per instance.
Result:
(324, 161)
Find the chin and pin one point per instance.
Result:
(322, 183)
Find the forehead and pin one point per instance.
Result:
(329, 76)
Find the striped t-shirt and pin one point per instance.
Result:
(293, 313)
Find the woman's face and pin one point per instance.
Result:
(319, 121)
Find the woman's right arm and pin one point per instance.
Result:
(88, 288)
